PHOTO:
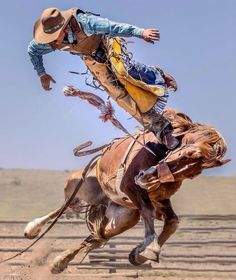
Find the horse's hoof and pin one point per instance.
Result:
(135, 258)
(150, 255)
(150, 249)
(59, 265)
(32, 229)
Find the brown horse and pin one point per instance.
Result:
(129, 182)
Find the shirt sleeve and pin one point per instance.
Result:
(92, 24)
(36, 52)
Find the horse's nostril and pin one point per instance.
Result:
(141, 173)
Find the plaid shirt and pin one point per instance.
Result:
(90, 24)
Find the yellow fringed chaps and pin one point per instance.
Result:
(144, 95)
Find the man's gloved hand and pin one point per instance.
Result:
(151, 35)
(45, 80)
(170, 81)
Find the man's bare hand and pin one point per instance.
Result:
(45, 81)
(151, 35)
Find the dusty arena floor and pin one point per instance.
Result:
(203, 248)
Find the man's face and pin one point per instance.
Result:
(62, 35)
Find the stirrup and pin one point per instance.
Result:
(170, 141)
(164, 136)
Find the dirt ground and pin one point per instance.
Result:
(203, 248)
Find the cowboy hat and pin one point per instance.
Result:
(52, 21)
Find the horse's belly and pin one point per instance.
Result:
(117, 196)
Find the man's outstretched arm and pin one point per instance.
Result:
(36, 52)
(94, 24)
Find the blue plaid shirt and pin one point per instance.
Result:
(90, 24)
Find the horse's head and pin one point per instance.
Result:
(201, 147)
(197, 141)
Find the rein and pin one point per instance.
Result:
(77, 150)
(176, 151)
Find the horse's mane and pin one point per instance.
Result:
(213, 145)
(181, 122)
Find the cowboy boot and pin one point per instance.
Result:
(162, 128)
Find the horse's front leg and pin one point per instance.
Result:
(164, 212)
(171, 221)
(150, 248)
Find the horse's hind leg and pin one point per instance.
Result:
(34, 227)
(103, 224)
(89, 192)
(61, 262)
(119, 219)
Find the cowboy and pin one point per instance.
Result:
(82, 33)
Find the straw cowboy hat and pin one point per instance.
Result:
(50, 24)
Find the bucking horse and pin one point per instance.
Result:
(127, 183)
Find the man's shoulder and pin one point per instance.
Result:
(34, 47)
(34, 43)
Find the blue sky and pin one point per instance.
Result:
(197, 46)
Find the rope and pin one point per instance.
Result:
(77, 150)
(106, 109)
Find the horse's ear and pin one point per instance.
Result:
(224, 161)
(218, 162)
(184, 116)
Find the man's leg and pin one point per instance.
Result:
(117, 92)
(145, 73)
(150, 75)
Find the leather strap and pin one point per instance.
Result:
(164, 173)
